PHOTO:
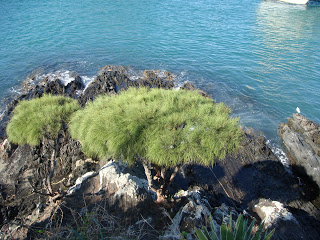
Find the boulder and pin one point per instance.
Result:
(270, 212)
(122, 189)
(301, 138)
(276, 216)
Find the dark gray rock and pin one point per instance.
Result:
(241, 179)
(111, 79)
(25, 169)
(106, 82)
(302, 140)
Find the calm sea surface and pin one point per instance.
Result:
(261, 57)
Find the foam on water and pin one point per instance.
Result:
(87, 80)
(38, 77)
(65, 76)
(280, 154)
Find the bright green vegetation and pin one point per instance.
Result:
(39, 117)
(241, 231)
(167, 127)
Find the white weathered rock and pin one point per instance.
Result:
(79, 182)
(271, 212)
(117, 184)
(126, 184)
(193, 214)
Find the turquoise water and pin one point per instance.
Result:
(261, 57)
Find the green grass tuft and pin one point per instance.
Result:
(40, 117)
(167, 127)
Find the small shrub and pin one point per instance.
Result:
(40, 117)
(241, 231)
(166, 128)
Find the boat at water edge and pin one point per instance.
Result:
(296, 1)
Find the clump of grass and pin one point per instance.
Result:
(39, 117)
(167, 127)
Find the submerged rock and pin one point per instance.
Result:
(301, 137)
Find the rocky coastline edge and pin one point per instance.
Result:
(253, 181)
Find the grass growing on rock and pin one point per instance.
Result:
(40, 117)
(167, 127)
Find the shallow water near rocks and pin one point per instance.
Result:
(260, 57)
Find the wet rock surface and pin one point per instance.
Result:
(235, 184)
(111, 79)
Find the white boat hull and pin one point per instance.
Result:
(296, 1)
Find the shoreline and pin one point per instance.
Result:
(249, 114)
(66, 76)
(239, 183)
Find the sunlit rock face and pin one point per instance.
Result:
(301, 137)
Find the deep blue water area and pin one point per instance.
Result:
(260, 57)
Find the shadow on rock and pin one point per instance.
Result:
(310, 187)
(111, 202)
(267, 179)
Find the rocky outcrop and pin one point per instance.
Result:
(106, 82)
(252, 173)
(302, 140)
(111, 79)
(234, 183)
(25, 171)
